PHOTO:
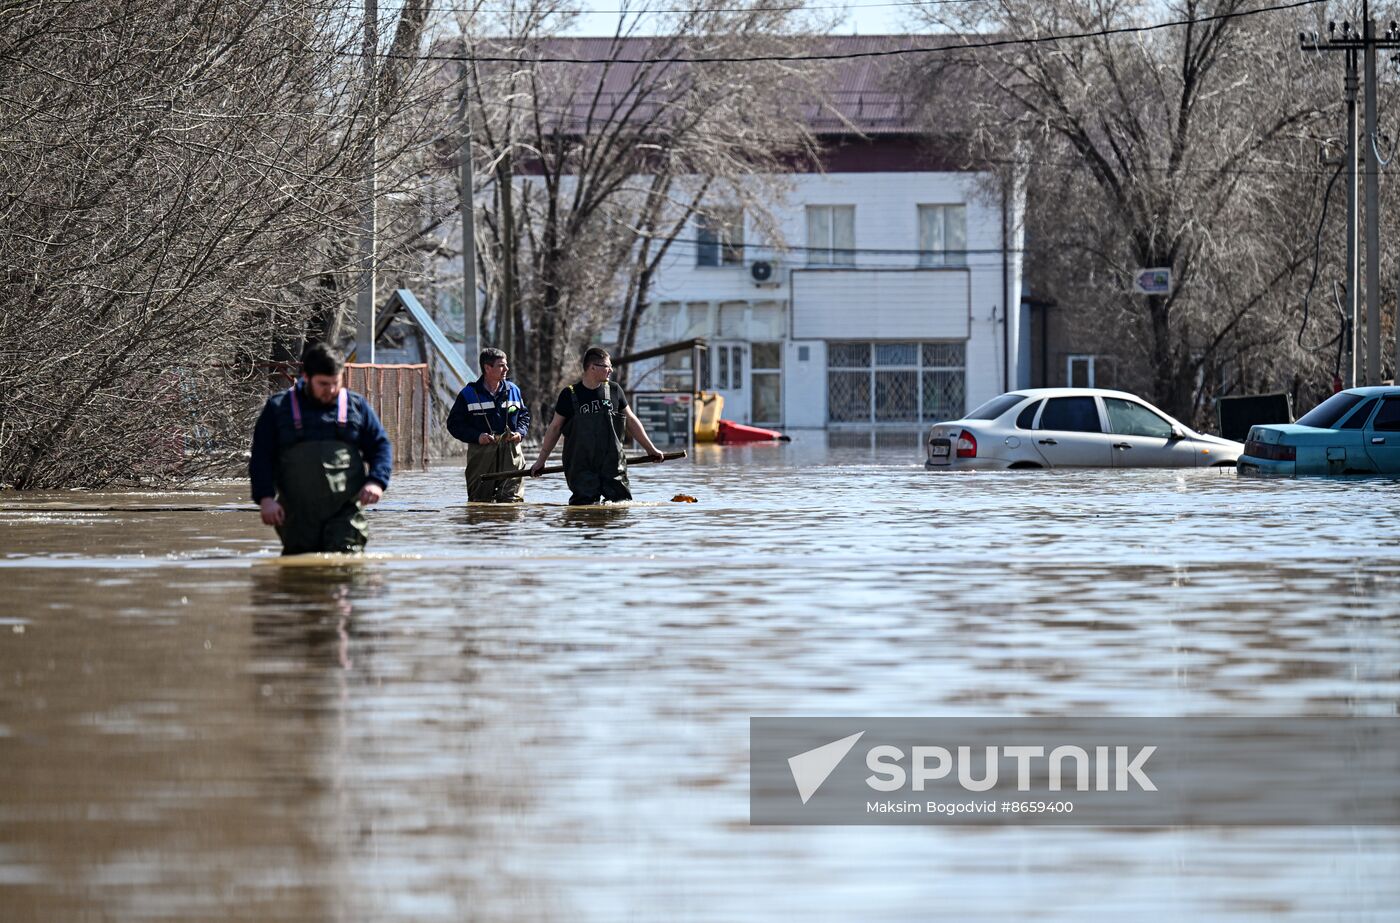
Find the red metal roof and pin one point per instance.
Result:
(868, 95)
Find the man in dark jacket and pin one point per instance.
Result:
(490, 416)
(320, 455)
(593, 417)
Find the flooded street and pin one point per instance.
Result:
(542, 713)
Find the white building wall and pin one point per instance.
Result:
(857, 304)
(886, 296)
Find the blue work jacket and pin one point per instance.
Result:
(477, 411)
(275, 430)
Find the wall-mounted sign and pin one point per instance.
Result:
(668, 416)
(1152, 281)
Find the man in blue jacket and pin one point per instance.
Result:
(490, 416)
(320, 455)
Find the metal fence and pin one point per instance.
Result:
(399, 395)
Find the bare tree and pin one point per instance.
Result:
(1191, 147)
(179, 186)
(595, 169)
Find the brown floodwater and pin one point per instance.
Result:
(538, 713)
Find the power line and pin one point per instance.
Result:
(580, 112)
(884, 251)
(840, 56)
(705, 10)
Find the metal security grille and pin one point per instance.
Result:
(848, 396)
(944, 394)
(896, 397)
(894, 383)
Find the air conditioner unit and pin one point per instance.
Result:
(764, 273)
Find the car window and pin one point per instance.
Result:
(1071, 415)
(1026, 418)
(1129, 418)
(996, 407)
(1326, 414)
(1358, 419)
(1388, 417)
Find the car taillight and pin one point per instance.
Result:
(967, 445)
(1256, 449)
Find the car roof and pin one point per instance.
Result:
(1074, 392)
(1372, 390)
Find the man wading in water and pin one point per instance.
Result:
(311, 447)
(595, 420)
(490, 416)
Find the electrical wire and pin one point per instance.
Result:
(1317, 260)
(1375, 149)
(703, 10)
(1343, 336)
(835, 56)
(1385, 161)
(580, 113)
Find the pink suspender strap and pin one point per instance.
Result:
(342, 408)
(296, 407)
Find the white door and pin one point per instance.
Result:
(729, 375)
(766, 384)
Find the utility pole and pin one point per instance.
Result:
(471, 323)
(365, 305)
(1367, 44)
(1373, 224)
(505, 186)
(1351, 335)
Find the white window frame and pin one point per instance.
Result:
(726, 226)
(942, 243)
(1069, 370)
(729, 362)
(825, 246)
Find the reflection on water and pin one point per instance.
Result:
(526, 712)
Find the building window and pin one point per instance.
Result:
(1079, 372)
(729, 367)
(831, 235)
(677, 376)
(942, 235)
(944, 378)
(895, 382)
(720, 237)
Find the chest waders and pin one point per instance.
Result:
(500, 455)
(594, 461)
(318, 485)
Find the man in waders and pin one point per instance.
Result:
(319, 457)
(595, 420)
(490, 416)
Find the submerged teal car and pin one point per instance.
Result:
(1356, 431)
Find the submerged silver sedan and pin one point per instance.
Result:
(1072, 427)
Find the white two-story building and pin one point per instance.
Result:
(888, 304)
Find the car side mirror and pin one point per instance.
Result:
(1177, 433)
